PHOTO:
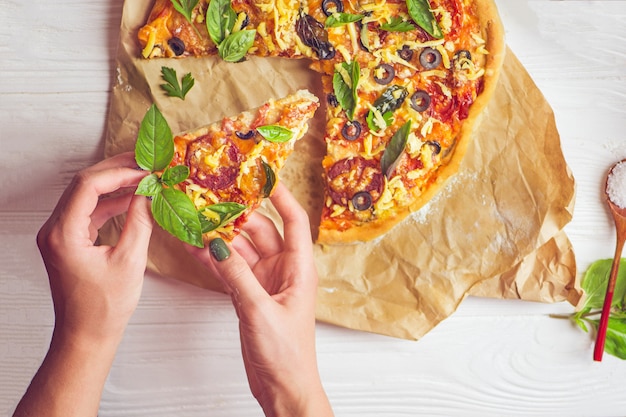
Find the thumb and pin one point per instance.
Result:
(135, 236)
(235, 273)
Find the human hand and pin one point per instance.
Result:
(95, 289)
(273, 282)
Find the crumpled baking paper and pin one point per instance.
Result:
(494, 230)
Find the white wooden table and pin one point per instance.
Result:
(180, 355)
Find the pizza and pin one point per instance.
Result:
(405, 83)
(234, 163)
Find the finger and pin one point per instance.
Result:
(135, 236)
(295, 220)
(110, 207)
(235, 273)
(82, 197)
(264, 235)
(125, 159)
(247, 250)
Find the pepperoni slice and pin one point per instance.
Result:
(213, 178)
(350, 176)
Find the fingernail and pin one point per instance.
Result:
(218, 249)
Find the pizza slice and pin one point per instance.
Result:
(232, 30)
(220, 173)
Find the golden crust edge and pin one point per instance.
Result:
(494, 31)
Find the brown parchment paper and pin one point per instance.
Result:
(494, 230)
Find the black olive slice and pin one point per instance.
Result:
(420, 101)
(430, 58)
(388, 74)
(435, 146)
(405, 53)
(332, 6)
(351, 130)
(176, 45)
(246, 135)
(362, 201)
(332, 101)
(463, 54)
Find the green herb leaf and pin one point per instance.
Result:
(397, 24)
(595, 280)
(420, 12)
(149, 186)
(340, 19)
(174, 212)
(172, 87)
(220, 20)
(394, 149)
(219, 215)
(154, 148)
(275, 133)
(270, 179)
(185, 7)
(371, 120)
(175, 175)
(345, 85)
(236, 45)
(615, 342)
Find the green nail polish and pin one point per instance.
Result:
(218, 249)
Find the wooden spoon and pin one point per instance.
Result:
(619, 217)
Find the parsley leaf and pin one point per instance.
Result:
(173, 88)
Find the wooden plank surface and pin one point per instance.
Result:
(180, 355)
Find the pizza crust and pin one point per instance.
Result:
(493, 33)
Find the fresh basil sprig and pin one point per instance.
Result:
(340, 19)
(346, 90)
(270, 179)
(420, 12)
(171, 208)
(594, 283)
(220, 22)
(172, 87)
(275, 133)
(394, 149)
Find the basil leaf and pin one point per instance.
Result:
(340, 19)
(420, 12)
(371, 120)
(394, 149)
(220, 20)
(397, 24)
(185, 7)
(270, 179)
(154, 148)
(175, 213)
(595, 280)
(615, 342)
(219, 215)
(346, 92)
(275, 133)
(175, 175)
(149, 186)
(236, 45)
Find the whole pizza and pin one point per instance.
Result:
(405, 83)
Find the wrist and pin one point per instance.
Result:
(310, 401)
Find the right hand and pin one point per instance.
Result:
(273, 282)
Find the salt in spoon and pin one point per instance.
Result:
(616, 198)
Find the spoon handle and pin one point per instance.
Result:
(608, 300)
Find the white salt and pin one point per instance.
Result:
(616, 185)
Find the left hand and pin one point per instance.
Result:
(95, 289)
